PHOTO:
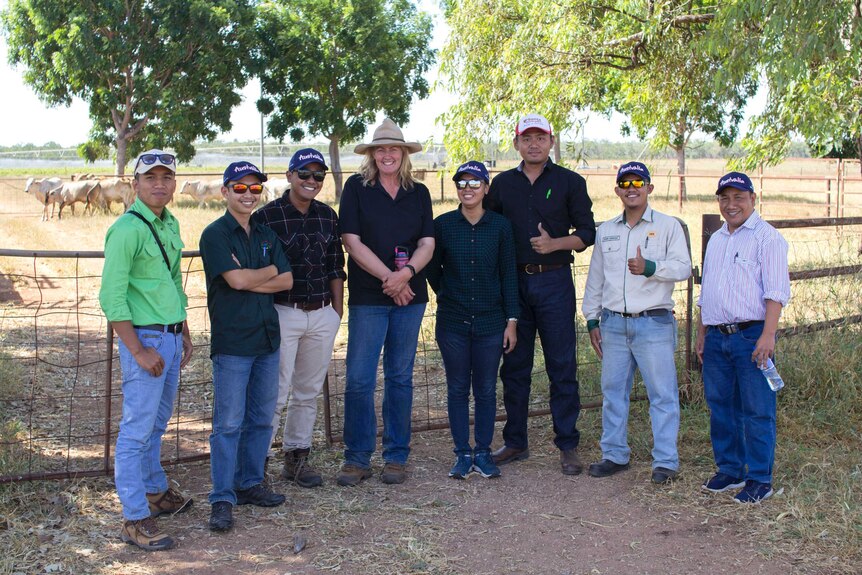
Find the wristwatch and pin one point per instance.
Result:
(514, 319)
(412, 270)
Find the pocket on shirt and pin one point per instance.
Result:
(154, 266)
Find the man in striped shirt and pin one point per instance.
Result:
(745, 285)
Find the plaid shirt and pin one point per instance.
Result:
(473, 273)
(312, 242)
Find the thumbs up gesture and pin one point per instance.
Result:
(543, 243)
(637, 264)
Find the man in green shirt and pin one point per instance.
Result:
(142, 296)
(245, 265)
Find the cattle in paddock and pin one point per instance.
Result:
(79, 177)
(41, 190)
(87, 192)
(116, 190)
(275, 188)
(202, 191)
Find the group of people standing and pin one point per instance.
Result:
(500, 265)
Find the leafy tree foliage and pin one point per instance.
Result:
(328, 68)
(153, 73)
(644, 58)
(810, 55)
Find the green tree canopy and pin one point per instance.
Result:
(328, 68)
(159, 74)
(810, 56)
(644, 58)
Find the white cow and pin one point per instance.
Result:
(116, 190)
(41, 190)
(202, 191)
(275, 188)
(87, 192)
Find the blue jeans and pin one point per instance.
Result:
(547, 307)
(646, 343)
(245, 391)
(395, 330)
(148, 403)
(471, 361)
(741, 405)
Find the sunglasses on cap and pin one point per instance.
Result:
(319, 175)
(474, 184)
(255, 189)
(150, 159)
(626, 184)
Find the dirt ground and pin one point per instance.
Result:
(532, 520)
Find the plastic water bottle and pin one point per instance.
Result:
(401, 257)
(771, 374)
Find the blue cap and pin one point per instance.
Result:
(238, 170)
(472, 167)
(304, 157)
(736, 180)
(633, 168)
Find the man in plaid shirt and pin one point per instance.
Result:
(310, 313)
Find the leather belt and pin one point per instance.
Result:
(531, 269)
(731, 328)
(173, 328)
(648, 312)
(307, 305)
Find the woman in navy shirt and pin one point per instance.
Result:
(388, 231)
(473, 273)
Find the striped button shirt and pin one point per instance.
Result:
(741, 271)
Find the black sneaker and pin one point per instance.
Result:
(662, 475)
(259, 495)
(606, 468)
(221, 516)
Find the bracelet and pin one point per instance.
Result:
(412, 270)
(514, 319)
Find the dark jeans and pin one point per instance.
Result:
(471, 361)
(547, 307)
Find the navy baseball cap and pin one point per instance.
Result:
(633, 168)
(239, 170)
(736, 180)
(304, 157)
(472, 167)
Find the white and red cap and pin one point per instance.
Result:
(533, 121)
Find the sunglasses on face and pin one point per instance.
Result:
(150, 159)
(474, 184)
(255, 189)
(631, 183)
(318, 175)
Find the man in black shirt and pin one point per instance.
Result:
(309, 314)
(544, 202)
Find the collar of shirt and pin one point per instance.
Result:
(750, 223)
(287, 205)
(645, 217)
(148, 214)
(548, 163)
(483, 219)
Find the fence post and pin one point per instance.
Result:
(828, 197)
(440, 177)
(109, 369)
(710, 223)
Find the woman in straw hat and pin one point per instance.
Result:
(388, 230)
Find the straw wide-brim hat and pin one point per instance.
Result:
(388, 134)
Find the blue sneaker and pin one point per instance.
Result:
(462, 468)
(484, 465)
(721, 482)
(754, 492)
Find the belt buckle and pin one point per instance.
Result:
(529, 267)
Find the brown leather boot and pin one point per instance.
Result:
(145, 533)
(298, 470)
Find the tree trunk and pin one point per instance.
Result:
(680, 169)
(335, 166)
(122, 146)
(859, 150)
(557, 154)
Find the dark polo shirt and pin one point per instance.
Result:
(558, 200)
(243, 322)
(382, 223)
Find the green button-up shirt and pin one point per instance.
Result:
(243, 322)
(136, 284)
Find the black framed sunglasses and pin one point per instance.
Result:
(473, 184)
(626, 184)
(255, 189)
(150, 159)
(318, 175)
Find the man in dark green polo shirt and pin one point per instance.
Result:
(142, 296)
(244, 264)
